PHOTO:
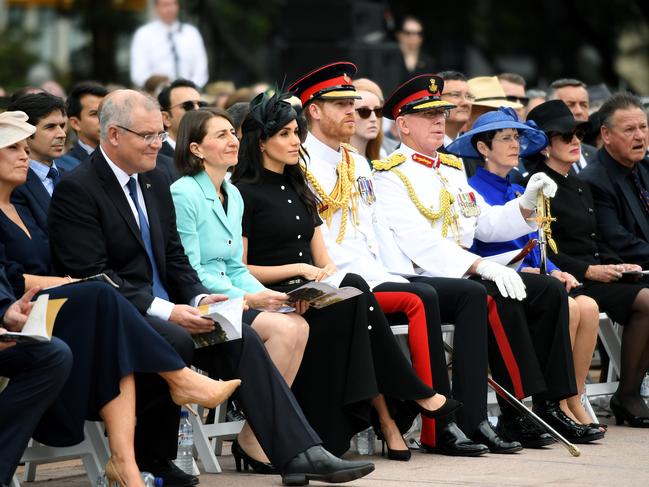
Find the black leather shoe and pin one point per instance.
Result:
(622, 414)
(552, 414)
(524, 430)
(172, 475)
(487, 436)
(241, 457)
(316, 463)
(452, 441)
(449, 407)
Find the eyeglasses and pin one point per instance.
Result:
(457, 95)
(148, 138)
(509, 139)
(523, 100)
(566, 138)
(190, 105)
(435, 113)
(365, 112)
(417, 33)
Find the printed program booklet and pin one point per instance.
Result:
(227, 320)
(320, 294)
(40, 322)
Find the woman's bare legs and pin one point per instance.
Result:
(389, 429)
(119, 418)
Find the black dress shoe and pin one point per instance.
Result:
(487, 436)
(241, 457)
(452, 441)
(170, 473)
(574, 432)
(316, 463)
(449, 407)
(622, 414)
(522, 429)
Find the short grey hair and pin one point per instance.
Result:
(619, 101)
(535, 93)
(116, 108)
(563, 83)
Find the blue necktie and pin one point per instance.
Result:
(53, 174)
(158, 289)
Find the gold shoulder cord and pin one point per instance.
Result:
(342, 195)
(446, 199)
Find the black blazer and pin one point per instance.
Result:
(167, 150)
(75, 156)
(34, 196)
(622, 219)
(92, 230)
(575, 230)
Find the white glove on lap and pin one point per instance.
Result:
(508, 281)
(538, 182)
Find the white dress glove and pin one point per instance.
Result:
(537, 183)
(508, 281)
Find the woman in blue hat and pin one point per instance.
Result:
(499, 139)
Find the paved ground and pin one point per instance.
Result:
(621, 459)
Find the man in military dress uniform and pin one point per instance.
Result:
(343, 182)
(434, 216)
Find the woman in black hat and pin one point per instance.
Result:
(584, 254)
(351, 355)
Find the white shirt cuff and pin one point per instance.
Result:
(160, 308)
(194, 302)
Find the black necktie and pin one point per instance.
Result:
(642, 191)
(174, 54)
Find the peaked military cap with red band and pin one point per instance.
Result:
(330, 82)
(420, 93)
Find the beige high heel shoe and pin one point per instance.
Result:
(112, 475)
(215, 393)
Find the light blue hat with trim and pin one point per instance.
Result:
(531, 139)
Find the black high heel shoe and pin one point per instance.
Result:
(398, 455)
(449, 407)
(622, 414)
(256, 466)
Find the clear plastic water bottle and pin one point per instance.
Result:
(644, 387)
(185, 456)
(365, 442)
(102, 481)
(147, 478)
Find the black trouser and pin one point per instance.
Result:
(462, 303)
(37, 372)
(529, 340)
(269, 406)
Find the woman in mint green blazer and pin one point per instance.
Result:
(208, 216)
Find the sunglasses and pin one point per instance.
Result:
(566, 138)
(523, 100)
(417, 33)
(190, 105)
(365, 112)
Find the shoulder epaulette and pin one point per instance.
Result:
(394, 160)
(450, 160)
(349, 147)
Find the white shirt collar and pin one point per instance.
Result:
(171, 142)
(122, 177)
(175, 27)
(88, 148)
(320, 151)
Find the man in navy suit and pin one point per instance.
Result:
(82, 107)
(47, 113)
(36, 372)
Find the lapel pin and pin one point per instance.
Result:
(148, 185)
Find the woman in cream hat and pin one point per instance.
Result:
(105, 333)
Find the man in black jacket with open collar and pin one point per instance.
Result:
(619, 179)
(115, 214)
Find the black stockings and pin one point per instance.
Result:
(635, 356)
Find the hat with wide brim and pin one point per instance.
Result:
(14, 128)
(330, 82)
(531, 139)
(488, 92)
(418, 94)
(555, 116)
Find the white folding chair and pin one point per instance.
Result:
(610, 333)
(208, 438)
(93, 451)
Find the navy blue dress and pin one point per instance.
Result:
(106, 334)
